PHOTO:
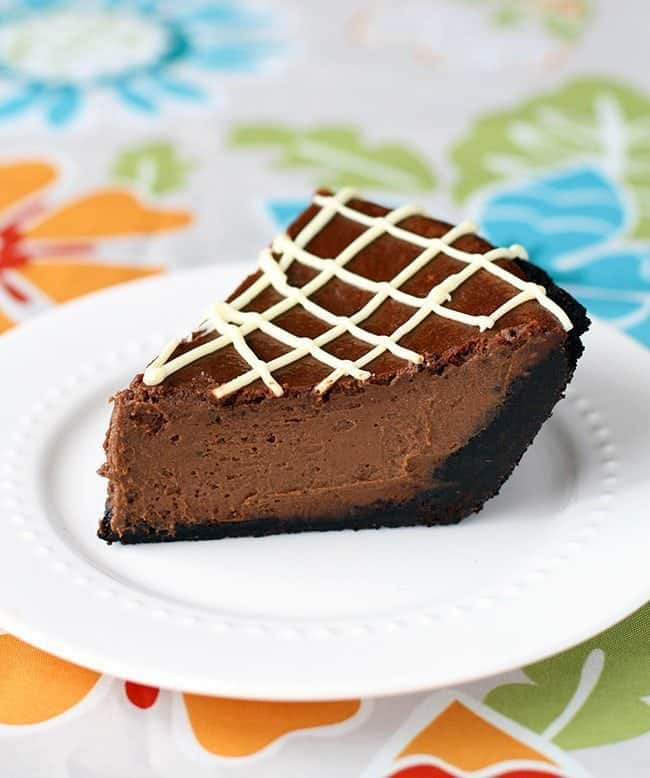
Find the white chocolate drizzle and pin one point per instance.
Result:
(232, 324)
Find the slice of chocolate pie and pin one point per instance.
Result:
(380, 368)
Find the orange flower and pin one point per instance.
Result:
(36, 687)
(450, 734)
(48, 254)
(239, 728)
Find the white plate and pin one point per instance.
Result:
(559, 555)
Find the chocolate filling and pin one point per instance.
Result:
(485, 462)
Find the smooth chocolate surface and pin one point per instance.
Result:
(437, 338)
(413, 444)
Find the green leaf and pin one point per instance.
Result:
(595, 693)
(568, 24)
(339, 156)
(507, 15)
(566, 21)
(260, 135)
(155, 166)
(595, 119)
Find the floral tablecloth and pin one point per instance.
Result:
(138, 136)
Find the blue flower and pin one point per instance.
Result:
(572, 223)
(614, 283)
(562, 212)
(55, 53)
(283, 211)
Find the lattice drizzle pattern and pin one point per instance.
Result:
(233, 324)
